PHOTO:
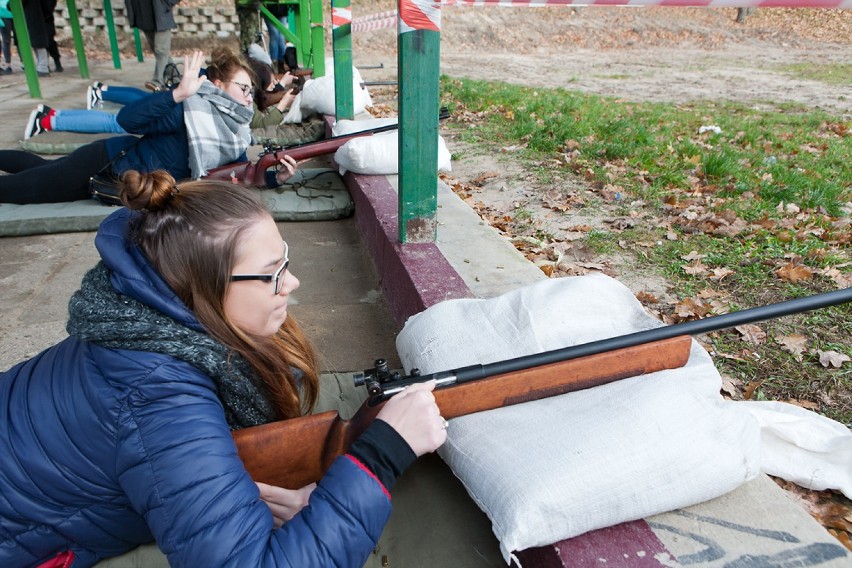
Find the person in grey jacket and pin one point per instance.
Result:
(154, 18)
(121, 434)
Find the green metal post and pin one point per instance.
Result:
(137, 43)
(303, 30)
(25, 47)
(419, 70)
(317, 39)
(344, 103)
(74, 18)
(113, 41)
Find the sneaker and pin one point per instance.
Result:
(39, 121)
(94, 96)
(7, 70)
(33, 124)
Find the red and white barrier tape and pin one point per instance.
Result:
(426, 14)
(340, 17)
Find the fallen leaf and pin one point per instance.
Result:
(694, 268)
(647, 297)
(795, 344)
(689, 308)
(720, 273)
(732, 386)
(752, 333)
(748, 391)
(478, 180)
(832, 358)
(793, 272)
(693, 255)
(810, 405)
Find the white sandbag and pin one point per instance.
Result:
(345, 126)
(318, 95)
(379, 155)
(294, 114)
(803, 447)
(555, 468)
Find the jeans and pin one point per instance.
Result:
(123, 95)
(276, 39)
(93, 121)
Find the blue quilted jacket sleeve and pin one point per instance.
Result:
(178, 464)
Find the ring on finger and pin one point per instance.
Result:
(444, 423)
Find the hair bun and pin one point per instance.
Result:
(150, 191)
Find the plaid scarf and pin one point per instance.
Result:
(217, 127)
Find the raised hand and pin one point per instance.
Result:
(190, 81)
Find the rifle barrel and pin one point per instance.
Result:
(706, 325)
(695, 327)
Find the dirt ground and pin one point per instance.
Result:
(636, 54)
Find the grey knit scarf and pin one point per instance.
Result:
(103, 316)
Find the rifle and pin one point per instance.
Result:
(255, 173)
(294, 453)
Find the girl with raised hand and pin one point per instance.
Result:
(203, 123)
(121, 434)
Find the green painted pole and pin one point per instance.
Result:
(25, 47)
(419, 73)
(303, 30)
(137, 43)
(317, 39)
(113, 40)
(344, 98)
(74, 18)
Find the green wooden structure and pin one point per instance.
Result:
(305, 18)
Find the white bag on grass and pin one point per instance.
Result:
(555, 468)
(379, 155)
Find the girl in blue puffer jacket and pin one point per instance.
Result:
(121, 434)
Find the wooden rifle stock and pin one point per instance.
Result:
(254, 174)
(293, 453)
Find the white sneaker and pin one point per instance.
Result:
(94, 97)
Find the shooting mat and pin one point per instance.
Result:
(311, 195)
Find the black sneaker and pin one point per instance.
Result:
(34, 124)
(7, 70)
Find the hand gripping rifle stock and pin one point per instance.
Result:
(254, 174)
(294, 453)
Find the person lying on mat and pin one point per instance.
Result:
(272, 99)
(202, 124)
(122, 433)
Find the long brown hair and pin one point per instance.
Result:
(224, 64)
(189, 234)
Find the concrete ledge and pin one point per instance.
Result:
(413, 276)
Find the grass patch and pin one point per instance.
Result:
(730, 198)
(831, 73)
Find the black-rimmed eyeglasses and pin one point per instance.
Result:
(247, 90)
(277, 277)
